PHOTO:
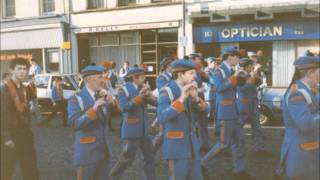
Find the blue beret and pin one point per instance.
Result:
(135, 71)
(230, 50)
(307, 62)
(183, 65)
(211, 59)
(91, 70)
(165, 61)
(245, 62)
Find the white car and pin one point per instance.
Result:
(44, 85)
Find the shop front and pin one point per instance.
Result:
(33, 39)
(138, 46)
(280, 41)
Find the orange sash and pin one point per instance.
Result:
(20, 105)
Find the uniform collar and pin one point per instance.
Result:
(306, 84)
(134, 84)
(228, 66)
(91, 92)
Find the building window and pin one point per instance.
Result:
(48, 6)
(95, 4)
(52, 60)
(127, 2)
(10, 8)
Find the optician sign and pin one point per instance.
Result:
(257, 32)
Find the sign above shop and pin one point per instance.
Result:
(257, 32)
(126, 27)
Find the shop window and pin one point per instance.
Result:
(9, 8)
(127, 2)
(109, 39)
(168, 35)
(148, 36)
(95, 4)
(48, 6)
(53, 59)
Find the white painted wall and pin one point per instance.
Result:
(31, 11)
(128, 16)
(32, 8)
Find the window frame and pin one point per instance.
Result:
(5, 11)
(42, 3)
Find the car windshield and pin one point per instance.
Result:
(67, 84)
(77, 78)
(41, 81)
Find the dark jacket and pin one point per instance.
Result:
(14, 124)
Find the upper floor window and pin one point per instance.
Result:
(48, 6)
(95, 4)
(126, 2)
(9, 8)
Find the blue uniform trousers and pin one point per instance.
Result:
(184, 169)
(203, 129)
(253, 119)
(96, 171)
(128, 155)
(230, 137)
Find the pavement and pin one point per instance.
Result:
(54, 146)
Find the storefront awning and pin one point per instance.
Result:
(237, 7)
(33, 39)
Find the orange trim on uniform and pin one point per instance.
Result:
(178, 106)
(175, 134)
(245, 100)
(92, 114)
(226, 102)
(233, 80)
(132, 120)
(310, 146)
(87, 140)
(137, 100)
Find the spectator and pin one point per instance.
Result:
(58, 102)
(34, 68)
(124, 70)
(32, 97)
(5, 77)
(17, 143)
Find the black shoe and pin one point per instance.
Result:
(243, 175)
(263, 153)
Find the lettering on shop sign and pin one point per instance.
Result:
(247, 32)
(126, 27)
(8, 57)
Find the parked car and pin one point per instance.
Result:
(270, 105)
(44, 85)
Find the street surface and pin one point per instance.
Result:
(54, 145)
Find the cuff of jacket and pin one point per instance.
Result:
(137, 100)
(92, 114)
(178, 106)
(233, 80)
